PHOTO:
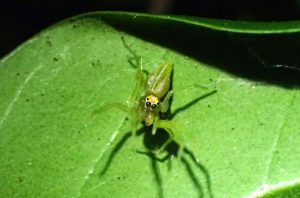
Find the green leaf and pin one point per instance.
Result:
(242, 141)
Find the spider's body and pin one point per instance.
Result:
(151, 96)
(155, 87)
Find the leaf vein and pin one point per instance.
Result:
(274, 145)
(103, 151)
(17, 95)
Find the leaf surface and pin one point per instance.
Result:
(242, 141)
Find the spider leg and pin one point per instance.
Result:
(174, 130)
(136, 62)
(134, 57)
(164, 105)
(109, 106)
(132, 108)
(154, 126)
(132, 114)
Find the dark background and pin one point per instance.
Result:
(21, 19)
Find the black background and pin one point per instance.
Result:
(21, 19)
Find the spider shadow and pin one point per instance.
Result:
(187, 158)
(154, 142)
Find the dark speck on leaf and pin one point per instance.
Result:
(55, 59)
(27, 100)
(95, 63)
(49, 43)
(20, 179)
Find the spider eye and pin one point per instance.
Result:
(148, 104)
(153, 106)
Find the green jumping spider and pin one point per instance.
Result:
(150, 97)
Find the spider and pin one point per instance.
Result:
(150, 97)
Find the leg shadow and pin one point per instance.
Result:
(193, 176)
(202, 168)
(116, 149)
(191, 103)
(156, 171)
(152, 142)
(188, 158)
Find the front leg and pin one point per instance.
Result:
(132, 113)
(164, 105)
(174, 130)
